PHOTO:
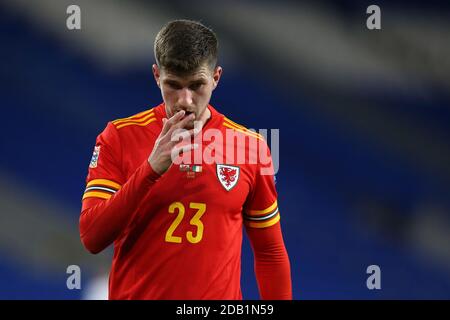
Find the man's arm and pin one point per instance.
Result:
(262, 223)
(272, 267)
(103, 221)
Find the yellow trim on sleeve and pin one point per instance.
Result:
(247, 132)
(264, 224)
(238, 126)
(93, 194)
(260, 212)
(136, 124)
(234, 123)
(143, 119)
(140, 114)
(104, 182)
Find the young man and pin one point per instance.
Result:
(177, 227)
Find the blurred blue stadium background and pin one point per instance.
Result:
(364, 129)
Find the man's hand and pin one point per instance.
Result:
(160, 158)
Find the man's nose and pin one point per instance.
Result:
(185, 97)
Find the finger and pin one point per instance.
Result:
(170, 122)
(183, 122)
(177, 117)
(164, 121)
(165, 127)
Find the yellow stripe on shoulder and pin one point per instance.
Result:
(260, 212)
(104, 182)
(138, 120)
(238, 127)
(244, 131)
(234, 123)
(263, 224)
(134, 117)
(95, 194)
(229, 121)
(135, 123)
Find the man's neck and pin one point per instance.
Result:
(206, 115)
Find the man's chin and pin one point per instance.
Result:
(194, 124)
(189, 125)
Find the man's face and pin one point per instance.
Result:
(191, 93)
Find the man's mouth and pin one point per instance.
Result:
(187, 113)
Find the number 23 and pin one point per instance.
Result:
(195, 221)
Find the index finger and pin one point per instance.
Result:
(170, 122)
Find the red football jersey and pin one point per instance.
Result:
(179, 235)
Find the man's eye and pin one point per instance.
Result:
(195, 86)
(174, 86)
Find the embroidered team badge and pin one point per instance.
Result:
(228, 175)
(94, 158)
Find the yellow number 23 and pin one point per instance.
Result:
(195, 221)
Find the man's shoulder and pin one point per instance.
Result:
(138, 120)
(132, 128)
(239, 129)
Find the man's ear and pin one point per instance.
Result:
(156, 74)
(216, 76)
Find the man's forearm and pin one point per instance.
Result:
(102, 223)
(272, 267)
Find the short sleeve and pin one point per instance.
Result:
(261, 206)
(105, 175)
